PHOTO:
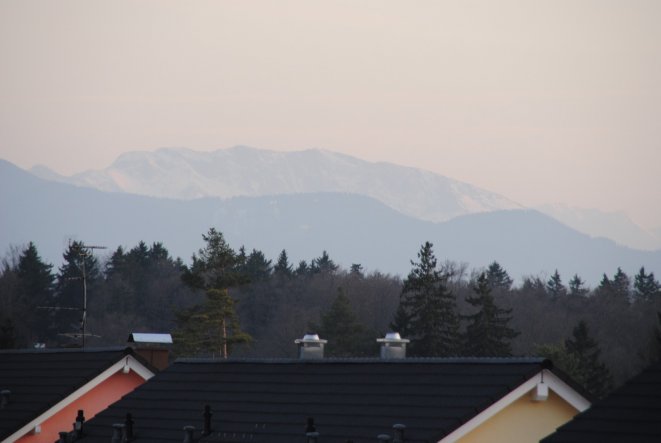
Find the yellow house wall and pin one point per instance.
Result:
(523, 421)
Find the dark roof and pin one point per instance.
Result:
(270, 400)
(631, 413)
(39, 379)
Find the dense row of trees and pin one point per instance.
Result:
(242, 303)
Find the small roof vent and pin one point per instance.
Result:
(393, 346)
(310, 347)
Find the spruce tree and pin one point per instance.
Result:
(618, 287)
(303, 269)
(646, 287)
(554, 286)
(35, 289)
(621, 284)
(323, 265)
(590, 371)
(577, 286)
(430, 308)
(340, 326)
(80, 270)
(487, 332)
(282, 267)
(257, 267)
(356, 270)
(498, 277)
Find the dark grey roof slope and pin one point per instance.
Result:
(38, 379)
(631, 414)
(270, 400)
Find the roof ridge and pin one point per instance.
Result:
(64, 350)
(363, 360)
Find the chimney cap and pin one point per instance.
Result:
(393, 337)
(143, 337)
(310, 338)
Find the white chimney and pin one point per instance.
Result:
(310, 347)
(393, 346)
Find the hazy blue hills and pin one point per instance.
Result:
(352, 228)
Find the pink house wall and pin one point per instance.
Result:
(93, 402)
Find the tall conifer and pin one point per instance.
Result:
(429, 308)
(487, 333)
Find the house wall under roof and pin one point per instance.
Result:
(92, 402)
(523, 421)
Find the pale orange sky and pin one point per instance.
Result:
(544, 101)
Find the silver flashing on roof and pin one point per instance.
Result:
(141, 337)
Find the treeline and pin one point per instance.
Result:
(245, 304)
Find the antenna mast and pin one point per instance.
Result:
(85, 251)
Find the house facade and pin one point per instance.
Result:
(44, 390)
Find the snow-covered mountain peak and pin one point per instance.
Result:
(246, 171)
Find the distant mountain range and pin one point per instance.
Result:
(250, 172)
(352, 228)
(243, 172)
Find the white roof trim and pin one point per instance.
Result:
(562, 389)
(127, 360)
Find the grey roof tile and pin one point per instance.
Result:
(270, 400)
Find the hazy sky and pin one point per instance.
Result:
(542, 101)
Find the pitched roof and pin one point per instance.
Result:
(631, 413)
(270, 400)
(39, 379)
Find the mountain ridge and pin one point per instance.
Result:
(244, 171)
(352, 228)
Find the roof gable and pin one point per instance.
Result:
(270, 400)
(42, 382)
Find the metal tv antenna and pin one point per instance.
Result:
(84, 251)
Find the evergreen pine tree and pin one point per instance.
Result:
(621, 284)
(645, 285)
(577, 286)
(211, 328)
(257, 267)
(590, 371)
(498, 277)
(356, 270)
(303, 269)
(554, 286)
(80, 270)
(487, 333)
(618, 287)
(282, 267)
(323, 264)
(401, 321)
(433, 322)
(35, 288)
(214, 326)
(340, 326)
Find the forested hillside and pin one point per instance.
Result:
(241, 303)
